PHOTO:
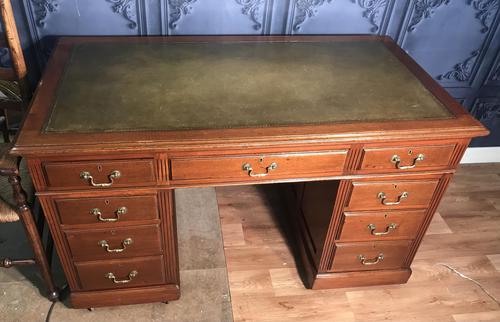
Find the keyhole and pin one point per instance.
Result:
(106, 202)
(395, 186)
(99, 168)
(410, 152)
(261, 159)
(385, 216)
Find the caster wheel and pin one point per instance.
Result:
(53, 296)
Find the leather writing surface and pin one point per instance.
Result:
(173, 86)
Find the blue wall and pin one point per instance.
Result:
(456, 41)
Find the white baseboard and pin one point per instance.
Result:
(481, 155)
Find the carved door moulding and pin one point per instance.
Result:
(374, 10)
(252, 9)
(305, 9)
(461, 71)
(42, 9)
(127, 9)
(178, 9)
(423, 9)
(486, 110)
(486, 10)
(483, 10)
(495, 75)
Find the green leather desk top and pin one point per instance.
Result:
(123, 86)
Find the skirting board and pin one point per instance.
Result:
(481, 155)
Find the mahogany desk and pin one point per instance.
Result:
(367, 140)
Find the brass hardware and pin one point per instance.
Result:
(118, 212)
(382, 197)
(388, 229)
(115, 174)
(126, 242)
(373, 261)
(130, 276)
(397, 161)
(247, 167)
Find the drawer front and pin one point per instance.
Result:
(402, 159)
(259, 167)
(390, 195)
(381, 225)
(107, 209)
(114, 243)
(370, 255)
(100, 174)
(134, 272)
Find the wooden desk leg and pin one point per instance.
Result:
(30, 226)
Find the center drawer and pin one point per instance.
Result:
(258, 167)
(114, 243)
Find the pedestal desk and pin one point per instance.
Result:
(366, 140)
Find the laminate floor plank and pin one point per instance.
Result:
(438, 226)
(495, 260)
(489, 316)
(256, 282)
(291, 308)
(242, 258)
(233, 234)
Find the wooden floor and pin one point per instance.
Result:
(465, 234)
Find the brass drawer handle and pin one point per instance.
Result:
(248, 167)
(115, 174)
(126, 242)
(388, 229)
(373, 261)
(397, 161)
(130, 277)
(383, 197)
(118, 212)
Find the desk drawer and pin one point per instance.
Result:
(114, 243)
(107, 209)
(370, 255)
(364, 226)
(100, 174)
(111, 274)
(412, 158)
(389, 195)
(254, 167)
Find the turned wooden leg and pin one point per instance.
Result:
(30, 226)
